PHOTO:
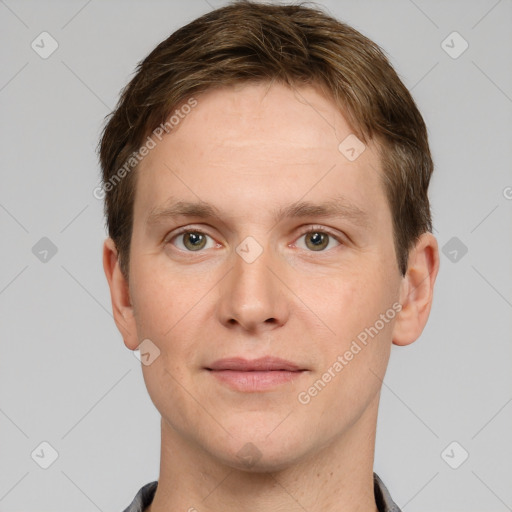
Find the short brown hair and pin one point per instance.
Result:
(290, 44)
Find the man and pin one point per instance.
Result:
(265, 177)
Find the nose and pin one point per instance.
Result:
(251, 296)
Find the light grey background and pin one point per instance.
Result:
(65, 375)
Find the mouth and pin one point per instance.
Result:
(255, 375)
(263, 364)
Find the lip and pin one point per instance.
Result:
(254, 375)
(262, 364)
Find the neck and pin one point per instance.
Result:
(337, 477)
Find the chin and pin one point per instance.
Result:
(261, 454)
(256, 460)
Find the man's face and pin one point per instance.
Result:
(263, 275)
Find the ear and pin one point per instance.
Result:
(416, 290)
(120, 295)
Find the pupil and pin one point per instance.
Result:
(317, 238)
(195, 238)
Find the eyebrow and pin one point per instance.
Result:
(338, 206)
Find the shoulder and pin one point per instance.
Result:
(143, 498)
(382, 496)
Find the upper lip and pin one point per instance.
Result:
(261, 364)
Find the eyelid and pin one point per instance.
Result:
(313, 228)
(184, 229)
(310, 228)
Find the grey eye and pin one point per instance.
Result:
(193, 241)
(316, 240)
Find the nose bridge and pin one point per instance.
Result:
(252, 296)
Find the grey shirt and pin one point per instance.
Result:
(382, 497)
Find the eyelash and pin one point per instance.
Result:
(310, 229)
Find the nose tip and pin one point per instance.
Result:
(251, 296)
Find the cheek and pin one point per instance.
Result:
(166, 313)
(347, 302)
(356, 357)
(159, 300)
(351, 305)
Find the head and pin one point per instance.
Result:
(287, 146)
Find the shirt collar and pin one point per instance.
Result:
(382, 497)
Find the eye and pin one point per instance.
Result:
(317, 240)
(192, 240)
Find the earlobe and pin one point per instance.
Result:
(122, 307)
(417, 290)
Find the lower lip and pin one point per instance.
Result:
(255, 380)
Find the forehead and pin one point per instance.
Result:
(260, 147)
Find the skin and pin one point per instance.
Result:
(248, 150)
